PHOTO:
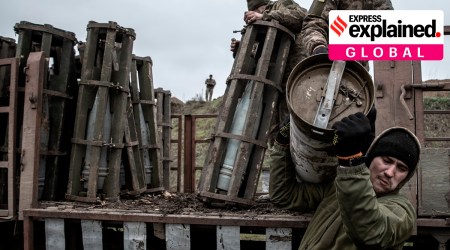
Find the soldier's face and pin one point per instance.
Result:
(386, 173)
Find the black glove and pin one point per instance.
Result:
(321, 49)
(350, 135)
(284, 131)
(372, 116)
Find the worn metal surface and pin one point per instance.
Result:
(305, 89)
(328, 99)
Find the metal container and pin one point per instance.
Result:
(311, 147)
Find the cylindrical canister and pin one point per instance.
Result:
(311, 147)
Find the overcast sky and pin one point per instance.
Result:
(187, 40)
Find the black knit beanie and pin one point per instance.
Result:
(254, 4)
(396, 142)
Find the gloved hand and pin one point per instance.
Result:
(350, 135)
(284, 131)
(372, 116)
(321, 49)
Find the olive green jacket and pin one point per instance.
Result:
(348, 214)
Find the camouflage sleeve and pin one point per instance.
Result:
(382, 5)
(315, 29)
(288, 13)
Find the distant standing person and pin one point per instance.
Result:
(210, 83)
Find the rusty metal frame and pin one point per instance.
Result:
(190, 143)
(31, 130)
(10, 165)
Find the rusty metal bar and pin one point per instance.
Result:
(437, 112)
(36, 77)
(190, 142)
(28, 233)
(189, 152)
(437, 138)
(437, 85)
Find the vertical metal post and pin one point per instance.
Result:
(189, 151)
(36, 76)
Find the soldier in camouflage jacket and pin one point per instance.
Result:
(314, 35)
